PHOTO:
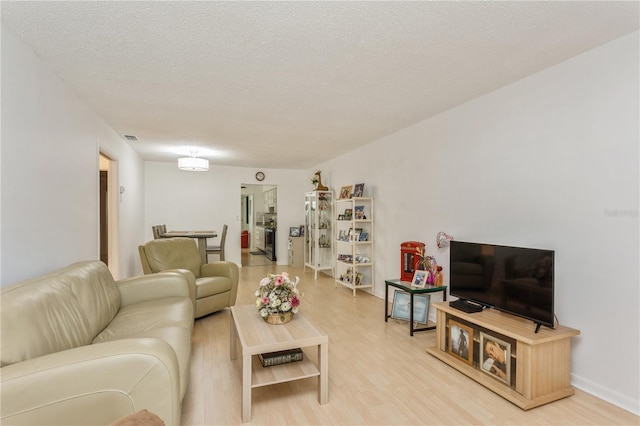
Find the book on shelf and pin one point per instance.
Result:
(280, 357)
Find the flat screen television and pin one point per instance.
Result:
(515, 280)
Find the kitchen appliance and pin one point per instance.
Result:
(270, 243)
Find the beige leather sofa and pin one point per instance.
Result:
(79, 348)
(216, 284)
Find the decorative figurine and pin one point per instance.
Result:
(443, 239)
(317, 180)
(439, 277)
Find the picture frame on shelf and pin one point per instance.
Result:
(402, 302)
(360, 258)
(358, 190)
(495, 357)
(345, 192)
(419, 279)
(340, 217)
(352, 277)
(348, 214)
(342, 235)
(354, 234)
(294, 231)
(461, 341)
(364, 236)
(359, 213)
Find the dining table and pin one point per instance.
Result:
(201, 236)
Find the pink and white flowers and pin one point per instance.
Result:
(277, 295)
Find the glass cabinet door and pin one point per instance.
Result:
(318, 230)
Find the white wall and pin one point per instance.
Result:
(544, 162)
(49, 167)
(208, 200)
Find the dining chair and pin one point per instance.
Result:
(219, 249)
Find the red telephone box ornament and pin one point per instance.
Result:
(409, 259)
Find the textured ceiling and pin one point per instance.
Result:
(291, 84)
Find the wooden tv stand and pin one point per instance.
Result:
(541, 361)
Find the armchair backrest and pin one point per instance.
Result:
(170, 253)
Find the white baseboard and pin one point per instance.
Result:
(599, 391)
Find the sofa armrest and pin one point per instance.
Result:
(223, 269)
(93, 384)
(154, 286)
(191, 279)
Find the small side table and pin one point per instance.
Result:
(406, 286)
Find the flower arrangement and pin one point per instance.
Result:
(277, 295)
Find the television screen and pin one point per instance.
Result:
(516, 280)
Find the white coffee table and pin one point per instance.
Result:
(257, 337)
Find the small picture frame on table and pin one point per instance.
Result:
(402, 302)
(358, 190)
(294, 231)
(419, 279)
(461, 341)
(495, 357)
(345, 192)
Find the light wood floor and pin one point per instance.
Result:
(378, 374)
(249, 259)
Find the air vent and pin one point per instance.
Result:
(131, 138)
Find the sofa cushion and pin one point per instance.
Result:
(173, 253)
(66, 309)
(133, 320)
(169, 320)
(208, 286)
(96, 291)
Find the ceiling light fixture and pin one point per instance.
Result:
(193, 163)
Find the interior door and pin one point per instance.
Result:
(104, 217)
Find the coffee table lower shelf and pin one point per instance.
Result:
(265, 376)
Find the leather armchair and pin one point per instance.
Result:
(216, 284)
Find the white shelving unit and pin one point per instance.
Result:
(318, 236)
(354, 243)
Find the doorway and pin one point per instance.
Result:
(104, 216)
(258, 212)
(109, 192)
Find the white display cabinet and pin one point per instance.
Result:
(318, 231)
